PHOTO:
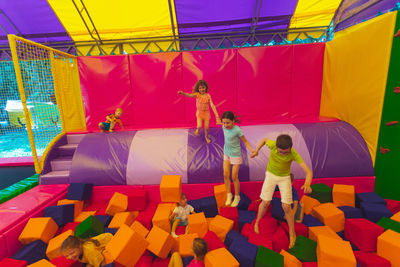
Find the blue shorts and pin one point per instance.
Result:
(106, 125)
(182, 223)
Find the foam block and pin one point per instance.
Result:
(280, 240)
(221, 226)
(388, 247)
(314, 232)
(145, 218)
(245, 216)
(362, 233)
(308, 203)
(268, 258)
(126, 247)
(344, 195)
(62, 214)
(77, 203)
(220, 195)
(185, 244)
(396, 217)
(220, 257)
(32, 252)
(105, 219)
(144, 261)
(89, 228)
(289, 260)
(208, 205)
(366, 259)
(244, 252)
(70, 226)
(267, 226)
(161, 216)
(53, 248)
(244, 202)
(112, 231)
(310, 221)
(38, 229)
(393, 205)
(197, 223)
(334, 252)
(6, 262)
(84, 215)
(277, 210)
(137, 199)
(304, 249)
(261, 240)
(64, 262)
(374, 212)
(233, 236)
(42, 263)
(170, 188)
(311, 264)
(330, 215)
(299, 228)
(121, 218)
(118, 203)
(386, 223)
(321, 192)
(79, 191)
(350, 212)
(213, 241)
(160, 242)
(232, 214)
(160, 262)
(139, 228)
(369, 197)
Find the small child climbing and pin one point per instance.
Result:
(111, 120)
(180, 214)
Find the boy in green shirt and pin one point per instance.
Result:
(278, 173)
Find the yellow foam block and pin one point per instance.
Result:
(121, 218)
(78, 205)
(388, 247)
(334, 252)
(329, 215)
(344, 195)
(220, 195)
(220, 257)
(53, 249)
(161, 216)
(221, 226)
(160, 242)
(127, 246)
(84, 215)
(118, 203)
(170, 188)
(42, 263)
(185, 244)
(197, 224)
(309, 203)
(396, 217)
(315, 231)
(139, 228)
(289, 260)
(38, 229)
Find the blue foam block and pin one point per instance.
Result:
(62, 214)
(79, 191)
(350, 212)
(245, 216)
(208, 205)
(32, 252)
(277, 210)
(370, 197)
(244, 202)
(233, 236)
(105, 219)
(244, 252)
(374, 212)
(187, 260)
(310, 221)
(195, 203)
(110, 230)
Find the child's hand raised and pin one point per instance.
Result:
(180, 92)
(219, 122)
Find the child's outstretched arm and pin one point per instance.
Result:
(120, 124)
(186, 94)
(247, 144)
(260, 145)
(306, 187)
(215, 112)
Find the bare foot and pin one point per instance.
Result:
(208, 140)
(292, 240)
(196, 133)
(256, 230)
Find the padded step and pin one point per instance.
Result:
(55, 177)
(75, 138)
(67, 150)
(61, 163)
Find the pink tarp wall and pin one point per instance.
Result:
(262, 85)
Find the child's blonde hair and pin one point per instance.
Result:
(198, 84)
(200, 248)
(76, 242)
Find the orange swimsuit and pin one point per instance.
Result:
(203, 106)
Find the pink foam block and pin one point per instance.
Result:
(267, 226)
(261, 240)
(137, 199)
(230, 213)
(362, 233)
(8, 262)
(366, 259)
(280, 240)
(213, 241)
(299, 228)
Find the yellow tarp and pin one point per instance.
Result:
(122, 19)
(312, 13)
(356, 64)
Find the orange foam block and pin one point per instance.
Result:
(38, 229)
(221, 226)
(220, 257)
(289, 260)
(118, 203)
(121, 218)
(396, 217)
(160, 242)
(185, 244)
(170, 188)
(84, 215)
(315, 231)
(161, 216)
(344, 195)
(127, 246)
(329, 215)
(42, 263)
(334, 252)
(53, 249)
(139, 228)
(388, 247)
(108, 258)
(309, 203)
(197, 223)
(220, 195)
(78, 205)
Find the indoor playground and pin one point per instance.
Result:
(102, 106)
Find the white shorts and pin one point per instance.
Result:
(285, 187)
(235, 161)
